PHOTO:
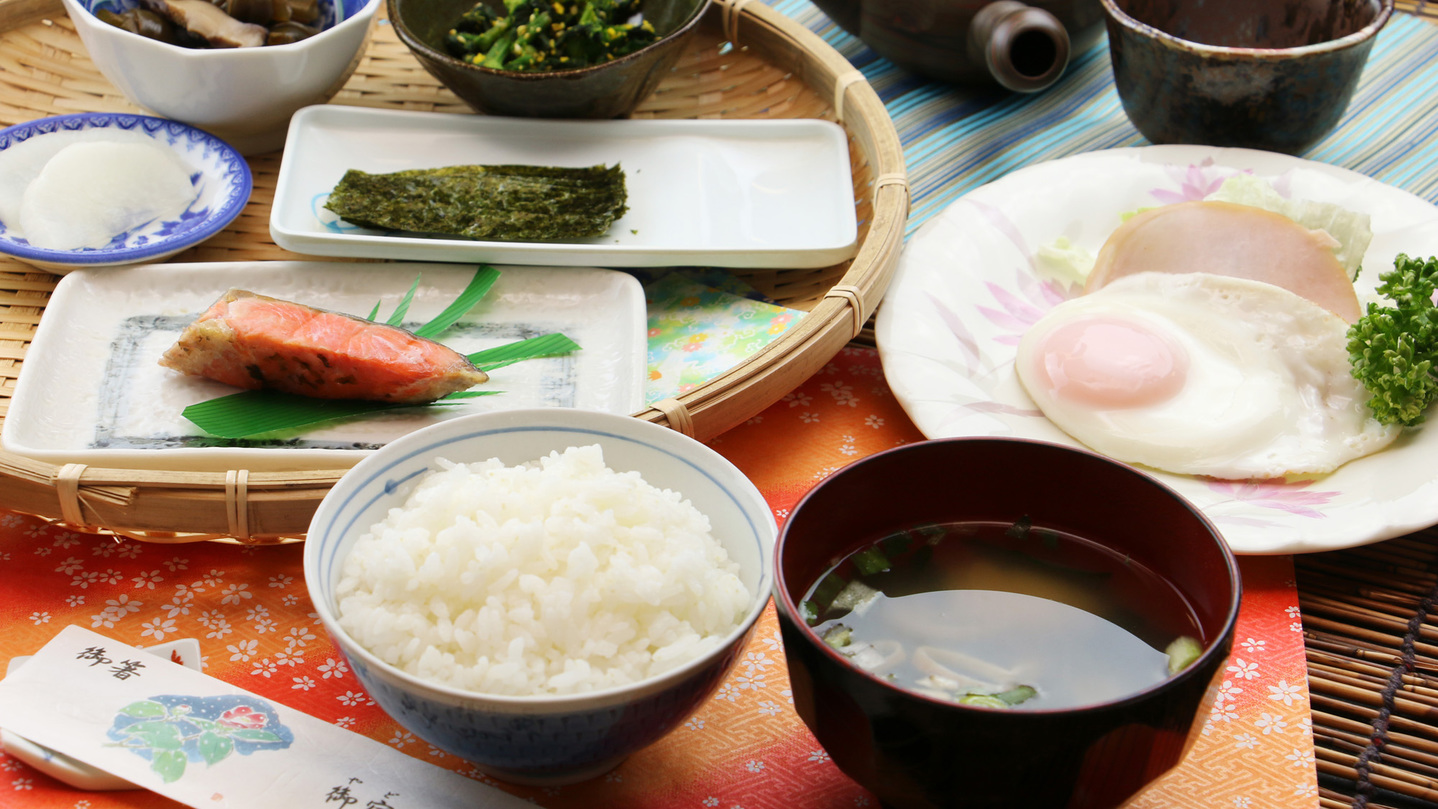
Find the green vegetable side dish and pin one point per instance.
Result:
(492, 203)
(538, 36)
(1393, 348)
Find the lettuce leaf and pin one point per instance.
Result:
(1065, 261)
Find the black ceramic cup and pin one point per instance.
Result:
(913, 750)
(1262, 74)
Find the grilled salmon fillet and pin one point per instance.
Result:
(256, 342)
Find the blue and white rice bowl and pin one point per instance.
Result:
(219, 175)
(546, 739)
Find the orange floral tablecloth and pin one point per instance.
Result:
(744, 749)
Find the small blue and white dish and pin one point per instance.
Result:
(220, 177)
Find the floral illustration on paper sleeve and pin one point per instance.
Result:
(173, 730)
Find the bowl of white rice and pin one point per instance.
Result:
(541, 592)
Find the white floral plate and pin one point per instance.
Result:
(966, 288)
(220, 177)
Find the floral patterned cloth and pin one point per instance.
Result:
(744, 749)
(701, 324)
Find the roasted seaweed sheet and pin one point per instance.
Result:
(493, 203)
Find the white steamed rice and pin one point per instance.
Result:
(554, 577)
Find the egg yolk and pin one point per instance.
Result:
(1111, 363)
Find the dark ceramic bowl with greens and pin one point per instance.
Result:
(998, 622)
(557, 64)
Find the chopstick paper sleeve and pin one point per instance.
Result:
(204, 742)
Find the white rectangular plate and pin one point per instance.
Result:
(92, 391)
(725, 193)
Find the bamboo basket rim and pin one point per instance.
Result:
(171, 506)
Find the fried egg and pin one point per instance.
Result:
(1201, 374)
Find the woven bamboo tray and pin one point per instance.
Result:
(747, 61)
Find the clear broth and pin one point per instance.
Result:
(985, 608)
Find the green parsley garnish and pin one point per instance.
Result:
(1393, 348)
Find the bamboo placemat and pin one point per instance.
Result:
(1372, 648)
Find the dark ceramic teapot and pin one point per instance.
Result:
(1023, 47)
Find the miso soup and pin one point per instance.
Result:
(1003, 616)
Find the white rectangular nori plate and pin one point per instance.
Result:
(774, 193)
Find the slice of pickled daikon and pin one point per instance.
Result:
(89, 193)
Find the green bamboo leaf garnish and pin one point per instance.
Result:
(479, 286)
(403, 308)
(545, 345)
(255, 412)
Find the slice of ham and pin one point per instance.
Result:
(1228, 239)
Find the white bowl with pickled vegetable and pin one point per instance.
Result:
(243, 95)
(1010, 621)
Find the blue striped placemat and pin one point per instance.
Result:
(956, 139)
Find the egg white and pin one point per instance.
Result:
(1268, 391)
